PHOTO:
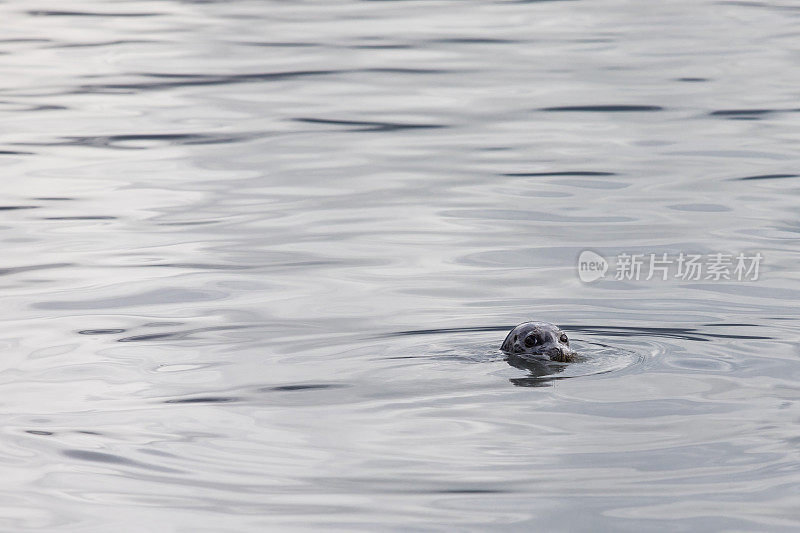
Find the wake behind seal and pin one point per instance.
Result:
(540, 340)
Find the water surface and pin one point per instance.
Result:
(259, 256)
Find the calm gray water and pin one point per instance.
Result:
(259, 256)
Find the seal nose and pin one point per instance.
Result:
(555, 352)
(558, 353)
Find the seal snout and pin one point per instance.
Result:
(561, 354)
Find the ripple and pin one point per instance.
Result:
(178, 335)
(701, 208)
(30, 268)
(748, 114)
(25, 40)
(700, 364)
(604, 108)
(594, 358)
(108, 458)
(104, 43)
(689, 334)
(369, 125)
(441, 331)
(741, 112)
(51, 13)
(541, 216)
(155, 297)
(146, 140)
(560, 173)
(205, 399)
(110, 331)
(302, 387)
(197, 80)
(766, 177)
(473, 40)
(83, 217)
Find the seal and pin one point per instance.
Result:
(539, 340)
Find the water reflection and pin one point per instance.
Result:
(541, 372)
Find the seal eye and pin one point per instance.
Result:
(531, 341)
(563, 338)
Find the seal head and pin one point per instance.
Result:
(540, 340)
